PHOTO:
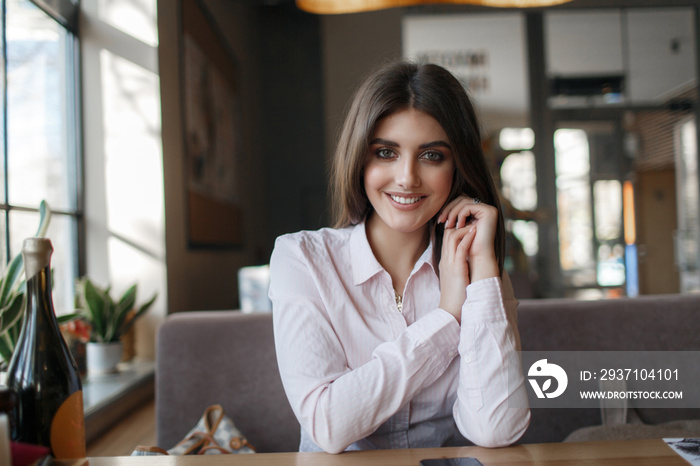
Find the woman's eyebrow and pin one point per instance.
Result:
(383, 142)
(425, 145)
(435, 144)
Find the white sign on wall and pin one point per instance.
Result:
(485, 51)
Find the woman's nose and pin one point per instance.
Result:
(407, 175)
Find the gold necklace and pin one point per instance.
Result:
(399, 301)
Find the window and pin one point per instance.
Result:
(686, 238)
(518, 186)
(40, 150)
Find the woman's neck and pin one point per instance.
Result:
(396, 251)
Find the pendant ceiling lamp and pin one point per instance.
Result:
(356, 6)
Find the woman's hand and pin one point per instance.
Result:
(468, 252)
(454, 269)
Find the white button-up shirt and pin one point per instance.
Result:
(359, 374)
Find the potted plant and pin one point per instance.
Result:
(109, 320)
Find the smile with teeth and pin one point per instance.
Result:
(405, 200)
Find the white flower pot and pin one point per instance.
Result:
(102, 358)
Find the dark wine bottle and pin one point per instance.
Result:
(44, 375)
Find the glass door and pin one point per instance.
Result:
(589, 179)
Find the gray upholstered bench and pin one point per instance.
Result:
(228, 358)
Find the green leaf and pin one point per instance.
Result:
(44, 219)
(112, 330)
(65, 318)
(144, 307)
(6, 348)
(127, 301)
(12, 280)
(96, 306)
(142, 310)
(11, 314)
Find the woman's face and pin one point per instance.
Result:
(408, 173)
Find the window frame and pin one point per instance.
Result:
(65, 13)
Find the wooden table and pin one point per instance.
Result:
(630, 452)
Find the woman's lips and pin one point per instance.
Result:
(406, 202)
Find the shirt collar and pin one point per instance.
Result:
(365, 265)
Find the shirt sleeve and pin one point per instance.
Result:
(492, 408)
(337, 405)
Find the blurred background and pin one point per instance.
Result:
(175, 140)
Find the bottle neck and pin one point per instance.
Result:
(39, 300)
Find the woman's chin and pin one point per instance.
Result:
(408, 228)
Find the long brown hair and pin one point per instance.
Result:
(430, 89)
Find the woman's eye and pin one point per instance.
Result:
(385, 153)
(432, 156)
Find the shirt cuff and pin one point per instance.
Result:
(484, 302)
(440, 329)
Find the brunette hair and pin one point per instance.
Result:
(428, 88)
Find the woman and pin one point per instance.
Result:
(395, 329)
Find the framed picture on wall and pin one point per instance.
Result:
(212, 135)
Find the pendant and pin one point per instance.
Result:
(399, 301)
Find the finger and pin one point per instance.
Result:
(444, 215)
(462, 250)
(464, 215)
(461, 216)
(452, 219)
(451, 240)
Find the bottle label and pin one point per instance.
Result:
(68, 428)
